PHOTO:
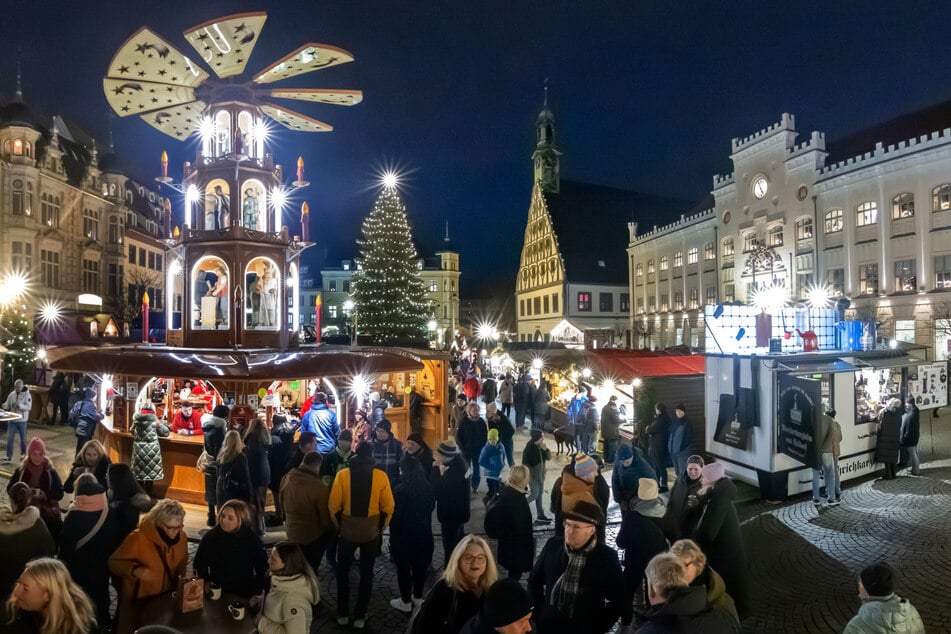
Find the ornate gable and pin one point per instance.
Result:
(541, 264)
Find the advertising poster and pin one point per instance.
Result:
(799, 414)
(930, 387)
(729, 429)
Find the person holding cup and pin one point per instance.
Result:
(216, 561)
(288, 605)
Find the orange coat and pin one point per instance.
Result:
(139, 562)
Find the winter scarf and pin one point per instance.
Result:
(564, 593)
(89, 503)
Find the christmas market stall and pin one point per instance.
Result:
(772, 372)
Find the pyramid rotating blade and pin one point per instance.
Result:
(128, 97)
(307, 58)
(320, 95)
(294, 120)
(179, 122)
(226, 43)
(147, 57)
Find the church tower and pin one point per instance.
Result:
(546, 157)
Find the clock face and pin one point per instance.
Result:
(760, 186)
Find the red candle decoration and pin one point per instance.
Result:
(304, 221)
(164, 164)
(300, 168)
(145, 317)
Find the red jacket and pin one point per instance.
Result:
(191, 426)
(471, 387)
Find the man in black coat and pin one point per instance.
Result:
(577, 584)
(676, 607)
(508, 519)
(657, 444)
(910, 433)
(282, 444)
(610, 426)
(471, 436)
(523, 398)
(452, 495)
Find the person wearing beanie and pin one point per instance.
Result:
(361, 507)
(38, 473)
(882, 610)
(718, 533)
(471, 436)
(641, 536)
(417, 448)
(23, 536)
(586, 468)
(322, 422)
(304, 496)
(630, 466)
(610, 428)
(499, 422)
(451, 490)
(491, 460)
(569, 487)
(679, 438)
(146, 451)
(507, 610)
(458, 413)
(213, 428)
(589, 422)
(87, 540)
(18, 402)
(508, 518)
(411, 531)
(338, 459)
(534, 456)
(577, 583)
(683, 507)
(387, 451)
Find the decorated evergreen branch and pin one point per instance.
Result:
(16, 335)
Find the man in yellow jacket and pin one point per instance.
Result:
(361, 506)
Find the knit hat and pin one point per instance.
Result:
(365, 450)
(385, 425)
(278, 419)
(624, 452)
(491, 409)
(518, 478)
(584, 511)
(681, 407)
(506, 602)
(345, 434)
(536, 435)
(613, 398)
(147, 408)
(713, 472)
(221, 411)
(585, 467)
(647, 489)
(460, 397)
(494, 435)
(448, 449)
(878, 579)
(87, 486)
(36, 444)
(417, 438)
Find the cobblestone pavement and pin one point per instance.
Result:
(803, 563)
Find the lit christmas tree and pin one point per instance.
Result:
(388, 294)
(16, 334)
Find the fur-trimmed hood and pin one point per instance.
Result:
(213, 422)
(12, 523)
(144, 419)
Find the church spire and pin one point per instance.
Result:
(546, 157)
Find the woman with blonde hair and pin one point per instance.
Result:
(92, 458)
(234, 477)
(459, 595)
(48, 601)
(153, 556)
(700, 574)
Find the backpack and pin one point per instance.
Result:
(75, 413)
(589, 417)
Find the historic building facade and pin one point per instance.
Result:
(868, 219)
(571, 286)
(64, 210)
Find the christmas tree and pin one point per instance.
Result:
(388, 294)
(16, 335)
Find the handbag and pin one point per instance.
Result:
(206, 463)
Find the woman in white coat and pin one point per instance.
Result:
(289, 603)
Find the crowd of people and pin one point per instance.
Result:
(346, 496)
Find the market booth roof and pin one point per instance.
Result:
(633, 363)
(242, 364)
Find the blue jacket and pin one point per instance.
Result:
(86, 415)
(680, 435)
(574, 410)
(321, 420)
(490, 459)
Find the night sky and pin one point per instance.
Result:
(647, 95)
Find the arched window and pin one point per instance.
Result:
(804, 228)
(833, 221)
(115, 231)
(727, 248)
(709, 252)
(678, 259)
(16, 198)
(775, 236)
(211, 283)
(263, 294)
(866, 213)
(217, 205)
(253, 214)
(749, 241)
(941, 197)
(665, 262)
(222, 133)
(903, 206)
(693, 255)
(244, 143)
(650, 266)
(18, 147)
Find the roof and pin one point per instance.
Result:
(908, 125)
(590, 224)
(632, 363)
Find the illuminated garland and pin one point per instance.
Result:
(16, 330)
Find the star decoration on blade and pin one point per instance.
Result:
(225, 45)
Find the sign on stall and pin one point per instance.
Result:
(799, 414)
(930, 387)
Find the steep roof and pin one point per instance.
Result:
(590, 223)
(908, 125)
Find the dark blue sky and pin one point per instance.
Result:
(647, 95)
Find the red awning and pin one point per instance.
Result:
(625, 365)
